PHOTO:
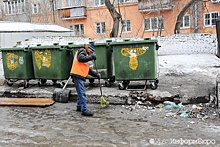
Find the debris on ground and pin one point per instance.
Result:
(174, 106)
(144, 97)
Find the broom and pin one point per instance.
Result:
(103, 101)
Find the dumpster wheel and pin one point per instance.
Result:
(123, 85)
(9, 82)
(41, 82)
(153, 85)
(26, 84)
(108, 83)
(91, 80)
(54, 81)
(61, 84)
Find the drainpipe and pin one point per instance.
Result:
(218, 35)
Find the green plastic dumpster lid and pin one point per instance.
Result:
(43, 47)
(135, 42)
(16, 49)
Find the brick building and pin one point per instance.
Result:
(91, 18)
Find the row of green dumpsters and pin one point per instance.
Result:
(121, 61)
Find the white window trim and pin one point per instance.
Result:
(99, 4)
(126, 31)
(149, 30)
(81, 32)
(17, 8)
(124, 1)
(183, 22)
(100, 28)
(37, 7)
(210, 13)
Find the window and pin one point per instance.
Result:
(35, 8)
(14, 7)
(126, 25)
(186, 22)
(153, 23)
(1, 13)
(69, 3)
(123, 1)
(100, 27)
(53, 5)
(78, 29)
(210, 18)
(78, 2)
(99, 2)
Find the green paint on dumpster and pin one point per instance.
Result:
(135, 60)
(52, 62)
(17, 63)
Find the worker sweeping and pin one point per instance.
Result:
(79, 71)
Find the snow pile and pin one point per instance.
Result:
(207, 64)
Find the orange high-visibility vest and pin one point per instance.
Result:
(79, 68)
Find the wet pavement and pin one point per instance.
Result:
(113, 126)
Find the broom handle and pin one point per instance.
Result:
(98, 78)
(66, 82)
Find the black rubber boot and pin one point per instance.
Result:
(87, 113)
(78, 109)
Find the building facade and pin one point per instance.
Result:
(91, 18)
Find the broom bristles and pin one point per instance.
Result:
(103, 102)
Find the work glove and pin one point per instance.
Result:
(93, 56)
(98, 75)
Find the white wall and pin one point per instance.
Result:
(187, 44)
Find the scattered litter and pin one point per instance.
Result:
(194, 106)
(171, 114)
(192, 122)
(170, 105)
(145, 101)
(184, 114)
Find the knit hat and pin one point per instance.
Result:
(91, 47)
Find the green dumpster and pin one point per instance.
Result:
(103, 63)
(52, 62)
(17, 65)
(134, 61)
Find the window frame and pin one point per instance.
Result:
(151, 19)
(69, 3)
(100, 25)
(81, 29)
(35, 6)
(210, 19)
(14, 7)
(183, 24)
(124, 1)
(127, 28)
(98, 3)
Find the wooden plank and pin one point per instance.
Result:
(26, 101)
